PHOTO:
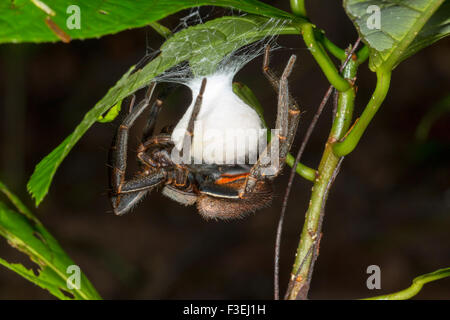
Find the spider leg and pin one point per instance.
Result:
(150, 127)
(294, 110)
(270, 75)
(288, 116)
(275, 82)
(155, 140)
(293, 113)
(149, 130)
(144, 183)
(133, 99)
(127, 202)
(119, 150)
(195, 111)
(133, 191)
(159, 141)
(148, 137)
(119, 160)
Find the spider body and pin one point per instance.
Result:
(214, 189)
(220, 191)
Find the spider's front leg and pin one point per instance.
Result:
(288, 115)
(293, 109)
(125, 194)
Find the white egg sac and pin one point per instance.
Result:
(226, 130)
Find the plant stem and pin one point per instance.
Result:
(324, 61)
(308, 134)
(336, 51)
(304, 171)
(415, 287)
(346, 146)
(298, 8)
(363, 54)
(311, 233)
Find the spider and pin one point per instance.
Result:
(219, 191)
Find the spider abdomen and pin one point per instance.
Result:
(211, 207)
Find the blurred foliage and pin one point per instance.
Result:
(26, 233)
(42, 21)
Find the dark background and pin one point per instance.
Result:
(389, 206)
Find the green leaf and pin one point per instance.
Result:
(25, 20)
(416, 286)
(405, 27)
(26, 233)
(111, 114)
(224, 35)
(247, 95)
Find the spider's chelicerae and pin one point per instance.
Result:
(220, 191)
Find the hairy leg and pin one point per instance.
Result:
(126, 193)
(288, 115)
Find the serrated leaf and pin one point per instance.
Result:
(226, 33)
(26, 233)
(406, 26)
(25, 20)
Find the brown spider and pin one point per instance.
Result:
(219, 191)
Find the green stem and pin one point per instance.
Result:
(336, 51)
(415, 287)
(304, 171)
(309, 32)
(324, 61)
(346, 146)
(362, 54)
(333, 49)
(310, 233)
(400, 295)
(298, 8)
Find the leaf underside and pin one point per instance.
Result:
(406, 26)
